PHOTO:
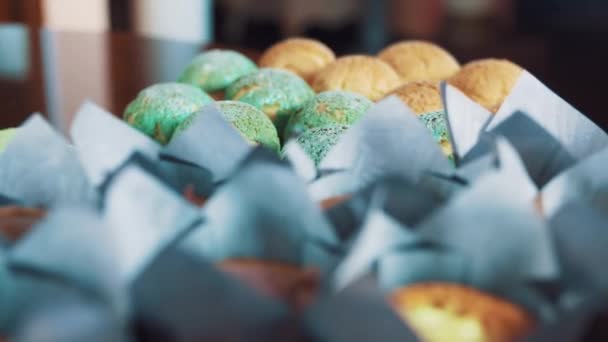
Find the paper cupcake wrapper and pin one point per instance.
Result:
(210, 142)
(39, 168)
(5, 200)
(253, 215)
(104, 142)
(300, 161)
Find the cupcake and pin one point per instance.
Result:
(160, 108)
(291, 284)
(424, 98)
(316, 142)
(420, 61)
(253, 125)
(366, 75)
(278, 93)
(16, 221)
(450, 312)
(214, 70)
(6, 135)
(330, 107)
(487, 81)
(304, 57)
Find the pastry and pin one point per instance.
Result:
(214, 70)
(6, 135)
(160, 108)
(450, 312)
(254, 126)
(330, 107)
(292, 284)
(420, 61)
(191, 196)
(331, 202)
(302, 56)
(317, 142)
(424, 98)
(366, 75)
(278, 93)
(487, 81)
(16, 221)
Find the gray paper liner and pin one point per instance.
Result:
(211, 142)
(254, 216)
(582, 182)
(390, 140)
(39, 168)
(104, 141)
(301, 162)
(5, 200)
(333, 184)
(466, 119)
(579, 135)
(358, 313)
(205, 304)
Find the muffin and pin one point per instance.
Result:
(278, 93)
(16, 221)
(424, 98)
(330, 107)
(316, 142)
(366, 75)
(254, 126)
(304, 57)
(160, 108)
(214, 70)
(420, 61)
(450, 312)
(487, 81)
(6, 135)
(291, 284)
(331, 202)
(191, 196)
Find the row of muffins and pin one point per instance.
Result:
(305, 92)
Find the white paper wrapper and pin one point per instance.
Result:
(104, 141)
(302, 164)
(577, 133)
(339, 183)
(263, 212)
(466, 119)
(39, 168)
(584, 181)
(389, 140)
(211, 142)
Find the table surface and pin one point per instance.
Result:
(54, 72)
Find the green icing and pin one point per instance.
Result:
(277, 93)
(214, 70)
(6, 135)
(317, 142)
(252, 123)
(159, 109)
(330, 107)
(436, 122)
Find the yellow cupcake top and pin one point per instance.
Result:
(366, 75)
(449, 312)
(487, 81)
(420, 61)
(421, 96)
(302, 56)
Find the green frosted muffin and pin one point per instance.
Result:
(277, 93)
(214, 70)
(6, 135)
(160, 108)
(317, 142)
(252, 123)
(330, 107)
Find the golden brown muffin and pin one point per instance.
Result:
(302, 56)
(294, 285)
(422, 96)
(333, 201)
(366, 75)
(17, 221)
(487, 81)
(450, 312)
(420, 61)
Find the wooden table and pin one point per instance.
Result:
(54, 72)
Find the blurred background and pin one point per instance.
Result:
(56, 53)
